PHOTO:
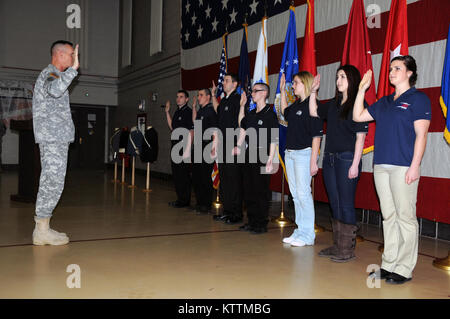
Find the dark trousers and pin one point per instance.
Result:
(182, 179)
(257, 195)
(341, 190)
(231, 187)
(202, 182)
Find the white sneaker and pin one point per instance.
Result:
(290, 239)
(298, 243)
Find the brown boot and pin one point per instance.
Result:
(332, 251)
(346, 243)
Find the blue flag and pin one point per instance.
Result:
(289, 67)
(445, 89)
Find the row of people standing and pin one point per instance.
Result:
(198, 174)
(237, 180)
(402, 120)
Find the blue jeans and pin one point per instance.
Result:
(341, 190)
(299, 179)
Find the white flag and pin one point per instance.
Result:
(261, 73)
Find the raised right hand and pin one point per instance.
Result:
(283, 83)
(214, 89)
(365, 82)
(316, 83)
(243, 99)
(167, 108)
(76, 62)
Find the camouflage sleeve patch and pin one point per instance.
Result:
(52, 76)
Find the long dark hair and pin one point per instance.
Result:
(353, 79)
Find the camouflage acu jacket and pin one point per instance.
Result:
(52, 120)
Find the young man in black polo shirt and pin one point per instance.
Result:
(181, 172)
(259, 128)
(229, 170)
(203, 163)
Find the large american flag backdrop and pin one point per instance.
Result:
(205, 22)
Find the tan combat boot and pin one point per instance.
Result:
(43, 235)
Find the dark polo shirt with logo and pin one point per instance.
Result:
(395, 135)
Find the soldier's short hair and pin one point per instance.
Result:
(186, 94)
(57, 44)
(234, 77)
(266, 88)
(207, 91)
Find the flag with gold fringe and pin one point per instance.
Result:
(445, 89)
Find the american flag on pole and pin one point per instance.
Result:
(223, 67)
(222, 71)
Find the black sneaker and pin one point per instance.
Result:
(383, 274)
(245, 227)
(220, 217)
(178, 204)
(202, 210)
(396, 279)
(258, 230)
(233, 220)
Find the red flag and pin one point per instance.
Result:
(396, 44)
(357, 53)
(308, 56)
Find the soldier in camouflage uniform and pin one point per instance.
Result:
(53, 131)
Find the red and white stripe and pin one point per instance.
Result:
(427, 27)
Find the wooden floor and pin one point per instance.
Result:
(128, 244)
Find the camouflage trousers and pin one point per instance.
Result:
(53, 175)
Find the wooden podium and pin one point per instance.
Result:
(29, 162)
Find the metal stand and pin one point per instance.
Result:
(442, 263)
(147, 182)
(123, 171)
(133, 174)
(281, 220)
(217, 204)
(317, 228)
(115, 180)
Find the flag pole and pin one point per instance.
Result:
(317, 228)
(217, 204)
(442, 263)
(281, 220)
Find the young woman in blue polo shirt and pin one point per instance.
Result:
(342, 159)
(302, 149)
(402, 120)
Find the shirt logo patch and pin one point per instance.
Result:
(260, 122)
(179, 118)
(299, 113)
(403, 105)
(226, 108)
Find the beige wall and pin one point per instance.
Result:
(28, 28)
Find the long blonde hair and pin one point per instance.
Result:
(307, 80)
